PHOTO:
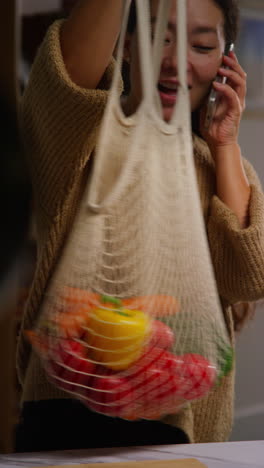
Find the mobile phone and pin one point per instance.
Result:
(212, 100)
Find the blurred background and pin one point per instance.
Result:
(249, 406)
(33, 19)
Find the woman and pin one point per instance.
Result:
(61, 112)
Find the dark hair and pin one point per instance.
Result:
(229, 9)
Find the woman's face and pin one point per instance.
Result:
(205, 48)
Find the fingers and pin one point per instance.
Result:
(233, 77)
(230, 95)
(232, 62)
(236, 82)
(236, 77)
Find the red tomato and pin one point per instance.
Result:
(194, 373)
(171, 363)
(164, 400)
(136, 373)
(199, 375)
(153, 383)
(110, 392)
(162, 336)
(158, 392)
(170, 391)
(162, 381)
(123, 396)
(70, 369)
(152, 379)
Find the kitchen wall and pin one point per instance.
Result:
(249, 412)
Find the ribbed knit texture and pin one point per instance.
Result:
(59, 123)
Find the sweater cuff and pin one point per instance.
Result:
(238, 254)
(226, 220)
(54, 47)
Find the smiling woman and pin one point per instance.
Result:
(210, 25)
(68, 85)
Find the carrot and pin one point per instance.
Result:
(73, 311)
(157, 305)
(72, 322)
(36, 341)
(75, 295)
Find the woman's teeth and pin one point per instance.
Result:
(168, 88)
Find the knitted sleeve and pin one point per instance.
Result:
(238, 254)
(59, 123)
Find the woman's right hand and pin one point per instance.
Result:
(88, 39)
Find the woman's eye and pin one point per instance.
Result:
(203, 49)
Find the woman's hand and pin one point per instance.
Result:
(232, 185)
(224, 127)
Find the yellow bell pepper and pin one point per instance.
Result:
(116, 335)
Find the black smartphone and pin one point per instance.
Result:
(212, 100)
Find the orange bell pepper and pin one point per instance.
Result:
(156, 305)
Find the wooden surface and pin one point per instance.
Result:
(187, 463)
(219, 455)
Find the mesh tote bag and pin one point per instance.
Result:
(131, 324)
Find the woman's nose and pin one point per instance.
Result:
(170, 60)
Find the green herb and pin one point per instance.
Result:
(111, 300)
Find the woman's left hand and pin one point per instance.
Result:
(224, 127)
(232, 185)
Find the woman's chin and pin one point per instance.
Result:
(167, 113)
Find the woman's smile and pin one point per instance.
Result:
(204, 55)
(168, 90)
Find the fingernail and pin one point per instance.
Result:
(217, 84)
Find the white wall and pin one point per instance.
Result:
(252, 142)
(249, 405)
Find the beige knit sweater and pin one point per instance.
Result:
(60, 127)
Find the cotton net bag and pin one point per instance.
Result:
(131, 324)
